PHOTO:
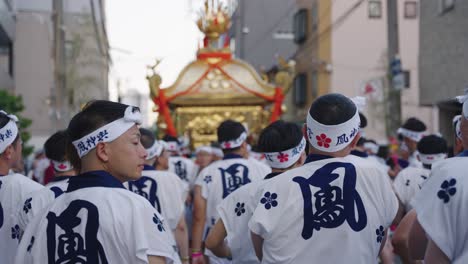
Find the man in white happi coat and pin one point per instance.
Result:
(409, 135)
(97, 220)
(54, 148)
(431, 149)
(335, 208)
(14, 188)
(218, 180)
(184, 168)
(164, 190)
(283, 146)
(441, 205)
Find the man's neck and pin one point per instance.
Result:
(65, 173)
(4, 168)
(278, 170)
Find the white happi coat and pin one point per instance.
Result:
(184, 168)
(14, 190)
(441, 207)
(408, 182)
(236, 211)
(164, 190)
(97, 221)
(330, 210)
(40, 199)
(223, 177)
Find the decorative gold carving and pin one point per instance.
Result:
(202, 122)
(154, 79)
(214, 21)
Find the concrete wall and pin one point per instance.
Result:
(443, 52)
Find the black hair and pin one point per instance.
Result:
(363, 120)
(229, 130)
(361, 142)
(4, 119)
(147, 138)
(169, 138)
(55, 147)
(93, 116)
(332, 109)
(432, 144)
(414, 124)
(279, 136)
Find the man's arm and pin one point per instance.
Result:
(417, 242)
(199, 216)
(156, 260)
(401, 237)
(434, 255)
(181, 236)
(258, 245)
(215, 240)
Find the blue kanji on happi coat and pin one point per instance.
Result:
(333, 204)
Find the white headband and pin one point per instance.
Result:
(456, 121)
(206, 149)
(431, 158)
(463, 99)
(285, 159)
(218, 152)
(62, 166)
(374, 148)
(234, 143)
(109, 132)
(172, 146)
(156, 149)
(332, 138)
(9, 132)
(413, 135)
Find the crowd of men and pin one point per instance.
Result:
(321, 193)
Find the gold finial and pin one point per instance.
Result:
(214, 21)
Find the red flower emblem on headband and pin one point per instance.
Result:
(227, 145)
(323, 141)
(62, 166)
(283, 157)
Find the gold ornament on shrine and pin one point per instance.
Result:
(216, 87)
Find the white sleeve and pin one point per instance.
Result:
(203, 180)
(177, 202)
(385, 196)
(401, 187)
(150, 234)
(270, 209)
(443, 213)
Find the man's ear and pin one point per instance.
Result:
(8, 153)
(304, 131)
(355, 140)
(102, 151)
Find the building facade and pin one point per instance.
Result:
(443, 57)
(60, 60)
(349, 40)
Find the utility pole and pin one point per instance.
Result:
(393, 113)
(58, 93)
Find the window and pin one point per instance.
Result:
(446, 6)
(300, 26)
(300, 89)
(411, 9)
(375, 9)
(407, 78)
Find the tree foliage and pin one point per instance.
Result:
(13, 104)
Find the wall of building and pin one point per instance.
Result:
(443, 51)
(359, 56)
